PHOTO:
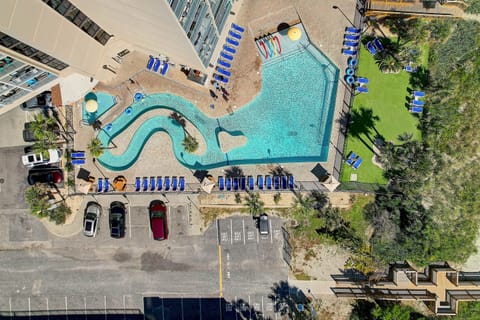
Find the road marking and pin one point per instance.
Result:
(48, 308)
(243, 226)
(238, 236)
(249, 307)
(66, 307)
(231, 231)
(10, 306)
(129, 222)
(218, 236)
(85, 306)
(124, 309)
(29, 309)
(105, 305)
(220, 277)
(271, 231)
(263, 310)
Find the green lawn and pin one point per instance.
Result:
(383, 109)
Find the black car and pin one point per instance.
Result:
(117, 219)
(45, 174)
(43, 100)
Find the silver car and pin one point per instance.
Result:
(91, 218)
(264, 225)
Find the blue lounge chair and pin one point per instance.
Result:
(268, 182)
(181, 183)
(371, 48)
(351, 158)
(233, 42)
(224, 64)
(221, 185)
(348, 52)
(144, 184)
(415, 109)
(226, 56)
(164, 69)
(251, 183)
(352, 30)
(159, 183)
(235, 35)
(243, 183)
(157, 64)
(276, 182)
(417, 103)
(99, 185)
(238, 28)
(152, 184)
(220, 78)
(229, 49)
(167, 183)
(409, 68)
(362, 89)
(353, 44)
(78, 162)
(106, 186)
(418, 94)
(224, 72)
(228, 183)
(78, 154)
(137, 184)
(235, 184)
(351, 37)
(357, 163)
(150, 62)
(174, 183)
(260, 182)
(284, 182)
(362, 80)
(291, 182)
(378, 45)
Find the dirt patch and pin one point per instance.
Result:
(121, 255)
(151, 261)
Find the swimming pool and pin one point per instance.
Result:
(105, 102)
(289, 121)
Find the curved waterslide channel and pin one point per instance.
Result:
(289, 121)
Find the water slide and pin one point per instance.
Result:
(262, 48)
(279, 47)
(270, 48)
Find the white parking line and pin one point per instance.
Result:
(105, 305)
(129, 222)
(231, 231)
(271, 231)
(263, 311)
(124, 309)
(29, 309)
(48, 308)
(250, 307)
(10, 305)
(85, 306)
(243, 226)
(66, 307)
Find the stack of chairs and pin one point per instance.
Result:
(243, 183)
(351, 41)
(156, 65)
(78, 158)
(159, 183)
(222, 73)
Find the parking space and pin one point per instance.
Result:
(243, 231)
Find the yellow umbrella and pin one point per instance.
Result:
(294, 33)
(91, 106)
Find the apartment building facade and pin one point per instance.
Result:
(43, 41)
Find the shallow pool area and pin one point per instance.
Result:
(105, 102)
(290, 120)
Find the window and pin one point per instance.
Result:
(78, 18)
(26, 50)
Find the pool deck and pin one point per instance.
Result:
(325, 27)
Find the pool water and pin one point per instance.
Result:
(105, 102)
(289, 121)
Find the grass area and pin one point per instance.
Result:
(356, 217)
(384, 111)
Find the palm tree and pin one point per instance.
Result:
(255, 205)
(95, 148)
(303, 203)
(190, 144)
(387, 63)
(42, 131)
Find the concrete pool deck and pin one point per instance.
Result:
(325, 27)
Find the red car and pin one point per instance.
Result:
(158, 219)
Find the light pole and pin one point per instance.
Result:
(341, 11)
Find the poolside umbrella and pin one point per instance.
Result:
(208, 184)
(294, 33)
(91, 106)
